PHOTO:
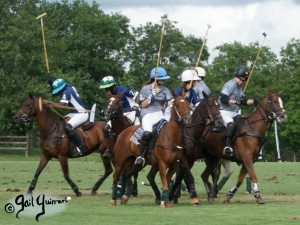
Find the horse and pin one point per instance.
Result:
(114, 112)
(248, 139)
(56, 144)
(206, 117)
(165, 152)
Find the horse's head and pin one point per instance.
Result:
(273, 107)
(114, 106)
(27, 109)
(208, 111)
(180, 110)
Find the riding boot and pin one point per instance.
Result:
(222, 182)
(76, 140)
(228, 151)
(248, 185)
(144, 141)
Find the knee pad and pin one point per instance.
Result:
(147, 135)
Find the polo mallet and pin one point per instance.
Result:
(44, 41)
(201, 50)
(259, 51)
(163, 20)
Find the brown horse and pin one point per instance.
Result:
(166, 151)
(205, 118)
(56, 144)
(114, 112)
(248, 140)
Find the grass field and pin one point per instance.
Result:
(279, 184)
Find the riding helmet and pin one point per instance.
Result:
(107, 82)
(188, 75)
(159, 73)
(242, 71)
(58, 85)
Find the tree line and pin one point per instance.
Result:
(84, 44)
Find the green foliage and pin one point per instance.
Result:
(84, 44)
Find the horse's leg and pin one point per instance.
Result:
(191, 183)
(176, 185)
(211, 164)
(44, 159)
(65, 168)
(163, 176)
(116, 176)
(134, 186)
(233, 190)
(107, 171)
(151, 178)
(256, 192)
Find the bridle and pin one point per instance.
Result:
(179, 116)
(24, 118)
(210, 118)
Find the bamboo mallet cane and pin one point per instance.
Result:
(257, 56)
(163, 20)
(44, 41)
(200, 51)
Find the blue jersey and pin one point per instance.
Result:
(71, 97)
(128, 93)
(190, 95)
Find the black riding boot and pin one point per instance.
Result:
(228, 151)
(76, 139)
(143, 148)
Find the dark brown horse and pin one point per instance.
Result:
(249, 137)
(166, 151)
(56, 144)
(114, 112)
(205, 118)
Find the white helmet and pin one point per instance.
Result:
(200, 71)
(188, 75)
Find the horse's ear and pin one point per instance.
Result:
(204, 94)
(270, 91)
(30, 96)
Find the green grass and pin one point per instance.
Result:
(279, 184)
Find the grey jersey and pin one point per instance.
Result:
(199, 87)
(157, 102)
(233, 91)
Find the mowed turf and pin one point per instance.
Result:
(279, 184)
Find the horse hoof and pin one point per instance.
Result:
(171, 203)
(194, 202)
(162, 204)
(124, 199)
(157, 201)
(113, 203)
(226, 201)
(78, 194)
(259, 200)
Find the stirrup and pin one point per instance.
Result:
(78, 153)
(140, 161)
(106, 154)
(228, 151)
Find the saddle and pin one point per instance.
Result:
(137, 135)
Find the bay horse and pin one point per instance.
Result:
(206, 117)
(114, 112)
(249, 137)
(56, 144)
(165, 153)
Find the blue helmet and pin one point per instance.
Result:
(161, 74)
(58, 85)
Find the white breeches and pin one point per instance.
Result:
(77, 119)
(150, 119)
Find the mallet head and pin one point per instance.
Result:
(40, 16)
